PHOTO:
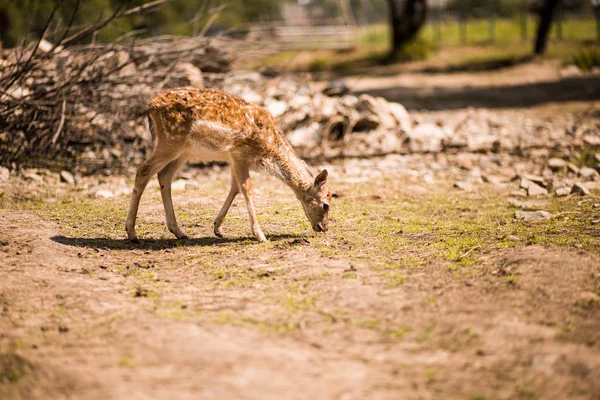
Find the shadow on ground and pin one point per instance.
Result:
(159, 244)
(480, 65)
(514, 96)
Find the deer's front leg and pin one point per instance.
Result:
(165, 178)
(148, 168)
(233, 191)
(241, 172)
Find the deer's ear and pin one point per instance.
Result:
(321, 179)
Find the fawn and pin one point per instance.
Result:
(211, 125)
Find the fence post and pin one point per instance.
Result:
(523, 20)
(559, 21)
(463, 22)
(438, 22)
(597, 9)
(492, 17)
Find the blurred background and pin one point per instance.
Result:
(76, 75)
(361, 29)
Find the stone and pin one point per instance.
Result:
(426, 137)
(4, 174)
(66, 176)
(191, 185)
(276, 107)
(556, 164)
(32, 176)
(536, 179)
(591, 140)
(536, 190)
(190, 74)
(572, 168)
(532, 215)
(525, 183)
(463, 185)
(179, 184)
(336, 88)
(518, 193)
(398, 111)
(304, 137)
(563, 191)
(589, 174)
(104, 194)
(580, 189)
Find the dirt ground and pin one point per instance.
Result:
(418, 291)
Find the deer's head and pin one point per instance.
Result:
(316, 202)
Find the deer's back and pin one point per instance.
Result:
(211, 122)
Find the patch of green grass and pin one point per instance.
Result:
(526, 393)
(394, 278)
(318, 64)
(13, 367)
(587, 58)
(400, 332)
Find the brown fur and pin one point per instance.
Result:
(208, 124)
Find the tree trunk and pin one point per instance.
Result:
(546, 16)
(406, 18)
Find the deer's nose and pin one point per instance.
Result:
(320, 227)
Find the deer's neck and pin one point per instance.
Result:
(287, 166)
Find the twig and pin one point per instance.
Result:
(62, 122)
(464, 255)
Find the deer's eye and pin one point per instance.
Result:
(326, 207)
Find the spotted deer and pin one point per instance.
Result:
(211, 125)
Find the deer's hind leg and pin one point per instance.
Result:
(233, 191)
(150, 167)
(165, 178)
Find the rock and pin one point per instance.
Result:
(304, 137)
(190, 74)
(536, 179)
(563, 191)
(525, 183)
(400, 115)
(336, 88)
(530, 205)
(556, 164)
(589, 174)
(426, 137)
(463, 185)
(66, 176)
(276, 107)
(179, 184)
(536, 190)
(104, 194)
(580, 189)
(572, 168)
(251, 96)
(32, 176)
(4, 174)
(518, 193)
(532, 215)
(191, 185)
(591, 140)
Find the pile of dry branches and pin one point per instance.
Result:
(61, 103)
